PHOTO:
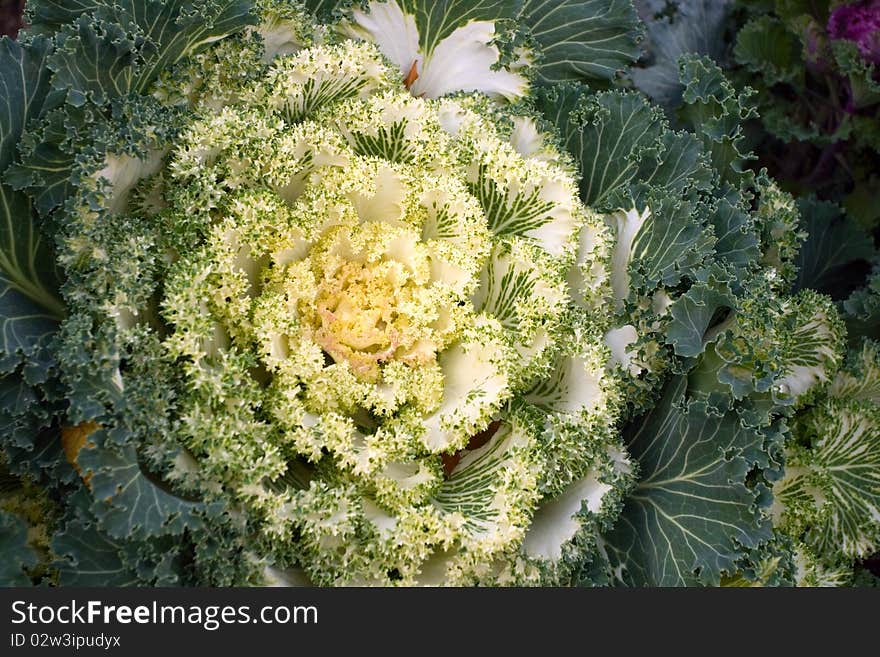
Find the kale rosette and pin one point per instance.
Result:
(358, 306)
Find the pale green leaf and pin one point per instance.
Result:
(844, 464)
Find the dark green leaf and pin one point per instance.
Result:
(862, 311)
(692, 314)
(130, 501)
(582, 39)
(671, 244)
(716, 113)
(325, 10)
(677, 165)
(90, 558)
(837, 251)
(29, 307)
(764, 45)
(50, 15)
(122, 48)
(608, 134)
(737, 242)
(46, 169)
(17, 555)
(691, 515)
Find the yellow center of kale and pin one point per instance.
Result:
(373, 302)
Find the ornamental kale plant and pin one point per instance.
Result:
(387, 287)
(837, 254)
(408, 293)
(815, 67)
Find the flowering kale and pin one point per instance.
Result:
(859, 23)
(403, 292)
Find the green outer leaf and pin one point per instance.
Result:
(861, 73)
(690, 516)
(671, 243)
(716, 112)
(46, 169)
(29, 309)
(16, 397)
(16, 553)
(115, 50)
(36, 450)
(607, 133)
(738, 244)
(24, 82)
(834, 244)
(326, 10)
(50, 15)
(692, 314)
(583, 39)
(193, 29)
(90, 558)
(437, 19)
(862, 311)
(678, 164)
(765, 46)
(122, 49)
(696, 27)
(94, 60)
(131, 503)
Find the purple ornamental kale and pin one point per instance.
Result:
(859, 23)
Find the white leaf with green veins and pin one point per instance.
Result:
(627, 225)
(441, 47)
(842, 471)
(861, 380)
